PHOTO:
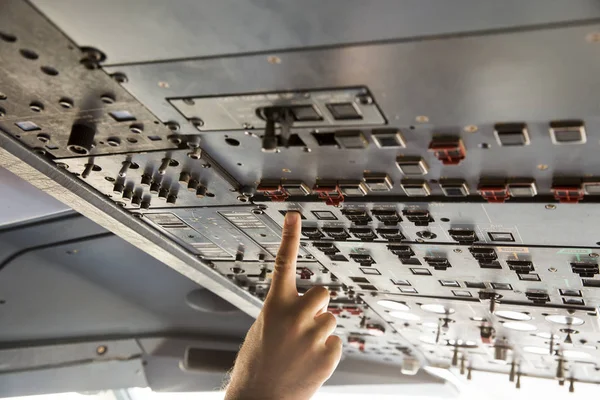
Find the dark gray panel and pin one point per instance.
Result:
(99, 287)
(92, 377)
(127, 31)
(21, 201)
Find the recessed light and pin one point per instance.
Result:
(513, 315)
(405, 316)
(520, 326)
(563, 320)
(437, 308)
(393, 305)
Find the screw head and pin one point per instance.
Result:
(593, 255)
(542, 167)
(101, 350)
(422, 119)
(197, 122)
(457, 250)
(173, 126)
(471, 128)
(550, 206)
(120, 77)
(274, 60)
(552, 269)
(163, 85)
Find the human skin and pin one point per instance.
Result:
(289, 351)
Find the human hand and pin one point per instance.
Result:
(289, 352)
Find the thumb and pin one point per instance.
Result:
(284, 277)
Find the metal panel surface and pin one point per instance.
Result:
(45, 82)
(207, 28)
(455, 82)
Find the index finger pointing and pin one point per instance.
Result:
(284, 276)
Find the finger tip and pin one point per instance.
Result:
(292, 218)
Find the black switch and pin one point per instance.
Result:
(343, 111)
(305, 113)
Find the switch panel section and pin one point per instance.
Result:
(319, 108)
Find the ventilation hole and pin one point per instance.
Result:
(411, 127)
(96, 168)
(134, 166)
(445, 219)
(154, 138)
(109, 178)
(51, 147)
(232, 142)
(36, 106)
(132, 140)
(2, 112)
(77, 149)
(113, 141)
(108, 98)
(210, 194)
(176, 140)
(3, 96)
(136, 128)
(48, 70)
(29, 54)
(484, 145)
(7, 37)
(65, 102)
(239, 164)
(173, 163)
(43, 137)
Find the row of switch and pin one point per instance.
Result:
(494, 190)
